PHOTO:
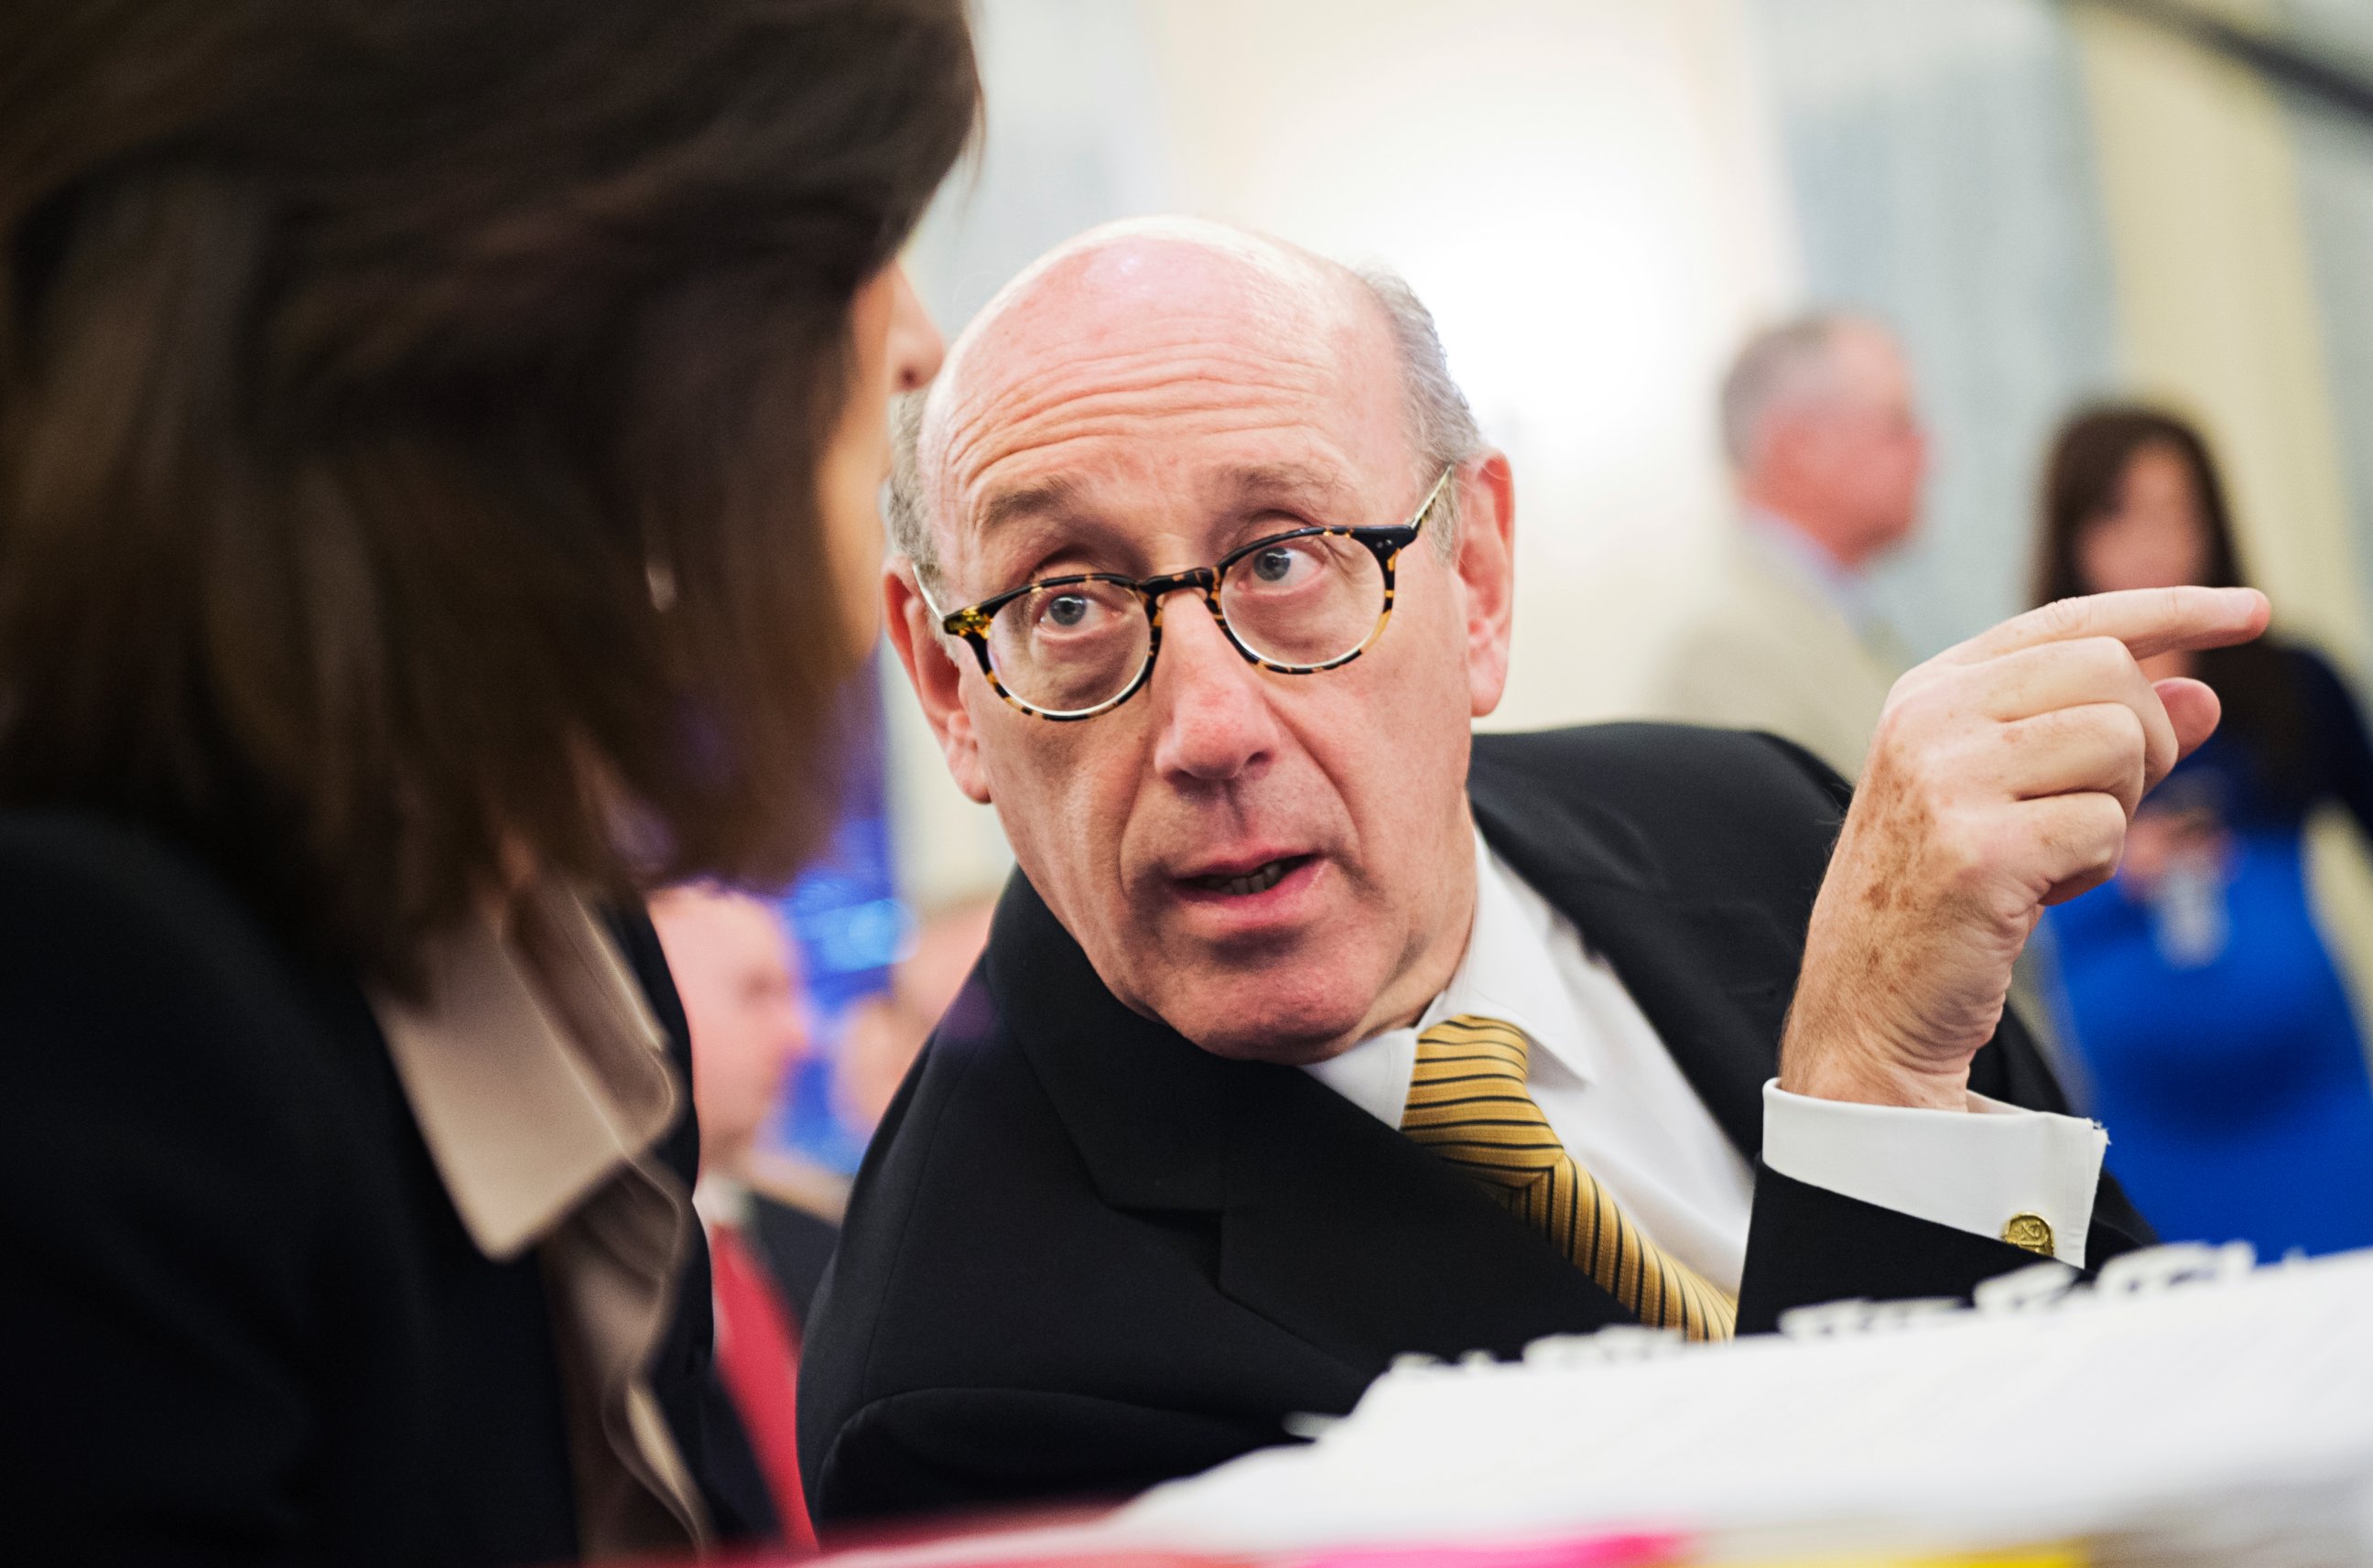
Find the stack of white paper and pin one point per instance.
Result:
(2190, 1409)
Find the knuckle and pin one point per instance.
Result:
(2123, 728)
(2064, 617)
(2079, 839)
(1903, 723)
(2102, 826)
(2104, 659)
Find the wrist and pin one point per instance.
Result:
(1872, 1077)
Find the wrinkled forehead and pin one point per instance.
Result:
(1168, 360)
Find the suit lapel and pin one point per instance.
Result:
(1332, 1226)
(1367, 1246)
(1712, 976)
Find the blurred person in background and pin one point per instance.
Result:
(1823, 435)
(738, 971)
(438, 444)
(735, 967)
(885, 1032)
(2198, 993)
(771, 1217)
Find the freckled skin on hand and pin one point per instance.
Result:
(1954, 844)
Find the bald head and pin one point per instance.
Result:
(1249, 807)
(1121, 273)
(1158, 283)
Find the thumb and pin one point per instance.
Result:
(2192, 708)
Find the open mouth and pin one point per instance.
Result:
(1260, 879)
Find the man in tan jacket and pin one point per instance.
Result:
(1825, 442)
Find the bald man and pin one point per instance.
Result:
(1822, 430)
(1314, 1030)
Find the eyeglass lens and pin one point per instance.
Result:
(1296, 602)
(1067, 649)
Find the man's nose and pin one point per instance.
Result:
(1215, 717)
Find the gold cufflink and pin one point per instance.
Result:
(2031, 1231)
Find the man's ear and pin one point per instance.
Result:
(932, 670)
(1487, 570)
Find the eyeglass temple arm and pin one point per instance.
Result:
(1425, 508)
(939, 617)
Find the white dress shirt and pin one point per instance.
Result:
(1618, 1103)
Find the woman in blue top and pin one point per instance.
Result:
(2198, 993)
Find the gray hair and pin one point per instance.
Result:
(1442, 425)
(1442, 431)
(1780, 366)
(905, 514)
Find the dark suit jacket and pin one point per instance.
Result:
(795, 1245)
(243, 1322)
(1084, 1255)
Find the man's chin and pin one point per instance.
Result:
(1256, 1018)
(1295, 995)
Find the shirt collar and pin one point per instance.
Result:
(532, 1065)
(721, 1199)
(1507, 971)
(1784, 547)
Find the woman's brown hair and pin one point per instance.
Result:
(410, 414)
(2083, 481)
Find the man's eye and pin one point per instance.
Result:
(1280, 565)
(1066, 610)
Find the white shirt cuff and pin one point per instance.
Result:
(1974, 1172)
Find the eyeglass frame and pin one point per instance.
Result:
(1386, 543)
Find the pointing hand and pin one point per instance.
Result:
(2001, 779)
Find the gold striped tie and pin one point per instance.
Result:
(1467, 1102)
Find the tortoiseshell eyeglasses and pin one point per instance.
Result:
(1073, 646)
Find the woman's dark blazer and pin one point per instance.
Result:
(242, 1321)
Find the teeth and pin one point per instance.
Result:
(1260, 881)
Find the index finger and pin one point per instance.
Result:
(2147, 620)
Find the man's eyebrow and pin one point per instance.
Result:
(1269, 480)
(1056, 493)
